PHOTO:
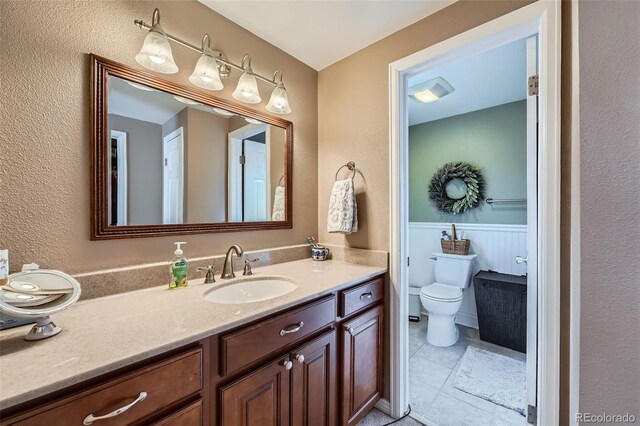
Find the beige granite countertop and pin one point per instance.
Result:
(103, 334)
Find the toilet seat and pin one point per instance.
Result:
(441, 292)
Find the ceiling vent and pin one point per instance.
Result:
(431, 90)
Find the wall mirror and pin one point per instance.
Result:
(171, 159)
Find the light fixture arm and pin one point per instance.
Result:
(219, 58)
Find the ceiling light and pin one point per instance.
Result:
(140, 86)
(156, 51)
(252, 120)
(206, 73)
(185, 100)
(247, 89)
(431, 90)
(279, 101)
(221, 111)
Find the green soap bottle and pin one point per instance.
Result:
(178, 268)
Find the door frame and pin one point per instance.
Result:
(170, 136)
(123, 176)
(541, 18)
(234, 179)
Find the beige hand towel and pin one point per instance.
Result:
(278, 204)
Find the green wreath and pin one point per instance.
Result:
(469, 174)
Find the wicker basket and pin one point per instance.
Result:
(455, 246)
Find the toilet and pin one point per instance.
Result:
(443, 298)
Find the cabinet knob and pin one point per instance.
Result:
(300, 358)
(349, 329)
(288, 365)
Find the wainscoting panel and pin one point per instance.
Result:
(496, 246)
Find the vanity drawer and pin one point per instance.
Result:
(241, 348)
(361, 296)
(165, 383)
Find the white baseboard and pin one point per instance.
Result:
(384, 406)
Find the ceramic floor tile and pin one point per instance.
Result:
(449, 411)
(415, 343)
(505, 417)
(445, 356)
(424, 372)
(421, 396)
(378, 418)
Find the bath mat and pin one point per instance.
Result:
(494, 377)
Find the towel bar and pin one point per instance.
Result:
(351, 166)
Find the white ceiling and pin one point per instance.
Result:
(320, 33)
(482, 81)
(151, 106)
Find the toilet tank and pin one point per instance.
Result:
(453, 269)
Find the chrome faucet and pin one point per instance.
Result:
(227, 269)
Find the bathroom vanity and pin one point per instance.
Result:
(313, 356)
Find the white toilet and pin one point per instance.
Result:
(443, 298)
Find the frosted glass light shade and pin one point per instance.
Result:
(206, 73)
(279, 101)
(247, 89)
(156, 52)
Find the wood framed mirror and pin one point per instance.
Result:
(169, 159)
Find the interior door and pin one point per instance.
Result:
(260, 398)
(532, 224)
(314, 387)
(173, 178)
(255, 181)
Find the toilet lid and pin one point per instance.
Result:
(439, 291)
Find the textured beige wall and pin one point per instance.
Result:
(353, 115)
(610, 206)
(44, 153)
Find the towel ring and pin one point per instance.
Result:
(351, 166)
(280, 181)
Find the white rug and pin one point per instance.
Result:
(494, 377)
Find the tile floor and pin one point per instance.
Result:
(378, 418)
(432, 371)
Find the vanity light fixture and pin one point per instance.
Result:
(247, 88)
(156, 50)
(223, 112)
(252, 120)
(140, 86)
(431, 90)
(212, 66)
(206, 73)
(279, 101)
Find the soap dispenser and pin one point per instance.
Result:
(178, 268)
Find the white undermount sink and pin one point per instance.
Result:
(251, 289)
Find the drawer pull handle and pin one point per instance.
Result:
(292, 329)
(367, 295)
(91, 418)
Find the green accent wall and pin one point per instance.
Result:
(493, 139)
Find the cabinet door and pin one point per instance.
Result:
(362, 364)
(260, 398)
(314, 382)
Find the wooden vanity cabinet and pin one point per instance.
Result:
(316, 364)
(362, 364)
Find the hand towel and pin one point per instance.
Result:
(343, 210)
(278, 204)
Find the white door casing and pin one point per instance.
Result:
(532, 225)
(173, 177)
(543, 19)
